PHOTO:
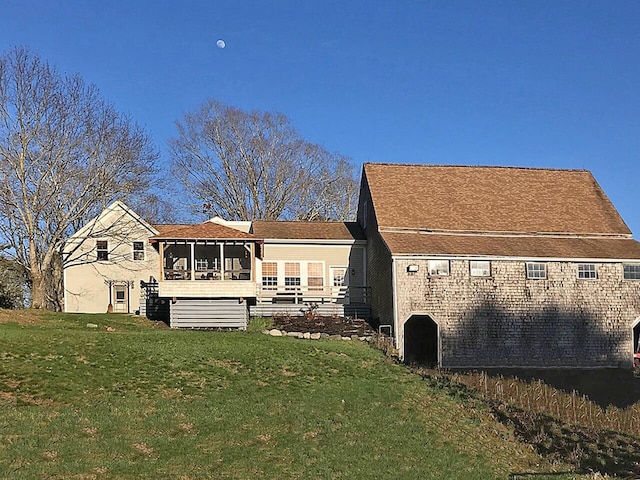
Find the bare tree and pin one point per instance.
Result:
(254, 165)
(64, 154)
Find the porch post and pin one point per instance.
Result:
(193, 261)
(222, 261)
(162, 261)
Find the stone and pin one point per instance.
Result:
(315, 336)
(324, 335)
(346, 338)
(275, 332)
(92, 325)
(293, 334)
(335, 337)
(265, 332)
(354, 337)
(306, 335)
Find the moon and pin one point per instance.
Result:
(220, 43)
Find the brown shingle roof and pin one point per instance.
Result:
(206, 230)
(514, 246)
(307, 230)
(165, 227)
(490, 199)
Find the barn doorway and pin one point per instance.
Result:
(421, 340)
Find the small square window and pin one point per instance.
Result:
(631, 271)
(480, 268)
(587, 271)
(537, 271)
(102, 250)
(438, 267)
(138, 250)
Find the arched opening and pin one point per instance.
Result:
(421, 340)
(636, 342)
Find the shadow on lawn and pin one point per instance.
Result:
(588, 450)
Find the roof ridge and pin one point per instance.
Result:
(508, 167)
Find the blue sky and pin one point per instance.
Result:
(522, 83)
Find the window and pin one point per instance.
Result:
(202, 264)
(480, 268)
(315, 275)
(292, 275)
(537, 271)
(587, 271)
(102, 249)
(631, 271)
(138, 250)
(438, 267)
(339, 275)
(269, 275)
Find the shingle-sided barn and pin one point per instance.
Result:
(494, 266)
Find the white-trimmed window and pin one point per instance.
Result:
(292, 274)
(631, 271)
(438, 267)
(138, 251)
(269, 275)
(536, 270)
(102, 250)
(315, 275)
(480, 268)
(587, 271)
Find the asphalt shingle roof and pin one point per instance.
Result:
(307, 230)
(491, 199)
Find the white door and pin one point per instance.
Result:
(120, 293)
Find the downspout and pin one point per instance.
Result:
(394, 289)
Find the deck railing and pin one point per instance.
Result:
(287, 294)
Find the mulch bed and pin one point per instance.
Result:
(319, 324)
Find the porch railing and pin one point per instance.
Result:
(286, 294)
(207, 274)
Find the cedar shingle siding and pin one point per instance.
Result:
(508, 216)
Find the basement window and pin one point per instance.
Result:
(438, 267)
(480, 268)
(537, 271)
(102, 250)
(587, 271)
(631, 271)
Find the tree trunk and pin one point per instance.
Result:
(38, 290)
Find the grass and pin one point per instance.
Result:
(129, 400)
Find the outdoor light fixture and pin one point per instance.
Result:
(413, 268)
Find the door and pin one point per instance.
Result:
(339, 277)
(121, 301)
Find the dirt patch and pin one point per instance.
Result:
(319, 324)
(23, 317)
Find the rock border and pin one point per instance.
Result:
(274, 332)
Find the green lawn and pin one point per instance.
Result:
(148, 402)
